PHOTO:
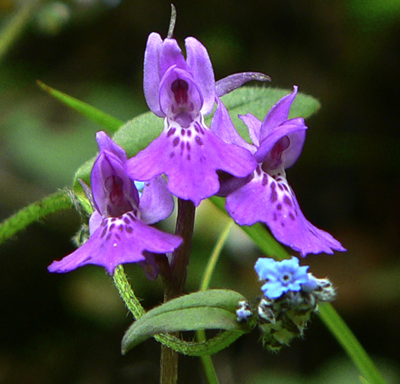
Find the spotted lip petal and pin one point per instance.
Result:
(118, 240)
(273, 202)
(190, 158)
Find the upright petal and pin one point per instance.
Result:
(171, 55)
(151, 76)
(200, 66)
(105, 143)
(254, 126)
(278, 114)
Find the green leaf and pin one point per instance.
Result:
(110, 123)
(213, 309)
(139, 132)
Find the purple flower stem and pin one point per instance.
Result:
(176, 284)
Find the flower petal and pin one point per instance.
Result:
(106, 143)
(200, 66)
(171, 55)
(254, 126)
(156, 202)
(232, 82)
(190, 158)
(290, 128)
(118, 241)
(273, 202)
(151, 77)
(222, 125)
(278, 114)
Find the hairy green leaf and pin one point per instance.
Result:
(213, 309)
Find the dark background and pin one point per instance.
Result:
(67, 328)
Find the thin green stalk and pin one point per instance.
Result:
(58, 201)
(212, 261)
(206, 360)
(11, 32)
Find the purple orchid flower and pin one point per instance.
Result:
(266, 195)
(183, 92)
(119, 230)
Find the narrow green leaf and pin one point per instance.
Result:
(14, 28)
(110, 123)
(350, 344)
(58, 201)
(186, 319)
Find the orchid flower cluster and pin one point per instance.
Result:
(189, 161)
(198, 162)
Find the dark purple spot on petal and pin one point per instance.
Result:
(198, 140)
(274, 195)
(274, 217)
(258, 171)
(188, 157)
(171, 132)
(129, 229)
(291, 216)
(103, 223)
(182, 132)
(121, 228)
(104, 232)
(279, 207)
(282, 224)
(126, 220)
(87, 259)
(171, 155)
(287, 201)
(264, 180)
(176, 141)
(108, 237)
(188, 146)
(197, 128)
(118, 237)
(280, 186)
(112, 226)
(182, 146)
(286, 187)
(113, 219)
(189, 133)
